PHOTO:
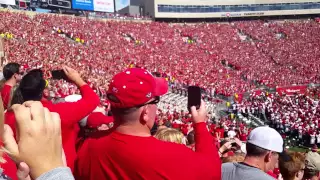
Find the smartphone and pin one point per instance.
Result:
(194, 97)
(59, 74)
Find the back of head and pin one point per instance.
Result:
(30, 88)
(10, 69)
(133, 95)
(238, 157)
(312, 168)
(291, 165)
(170, 135)
(264, 138)
(190, 138)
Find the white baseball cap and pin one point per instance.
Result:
(266, 138)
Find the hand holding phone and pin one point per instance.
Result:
(59, 74)
(194, 97)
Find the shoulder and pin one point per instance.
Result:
(227, 166)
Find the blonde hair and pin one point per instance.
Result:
(170, 135)
(238, 157)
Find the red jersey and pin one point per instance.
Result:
(112, 155)
(70, 113)
(5, 95)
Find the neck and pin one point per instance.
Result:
(133, 129)
(255, 162)
(11, 82)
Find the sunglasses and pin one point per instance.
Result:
(155, 101)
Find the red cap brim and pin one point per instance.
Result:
(161, 86)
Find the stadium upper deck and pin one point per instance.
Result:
(232, 8)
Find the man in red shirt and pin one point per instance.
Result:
(31, 88)
(128, 151)
(12, 75)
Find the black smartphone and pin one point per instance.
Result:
(194, 97)
(59, 74)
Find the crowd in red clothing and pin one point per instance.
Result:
(188, 54)
(221, 58)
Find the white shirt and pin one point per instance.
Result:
(231, 134)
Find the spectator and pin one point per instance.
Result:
(292, 165)
(130, 152)
(12, 76)
(312, 169)
(190, 140)
(31, 88)
(39, 146)
(262, 149)
(170, 135)
(238, 157)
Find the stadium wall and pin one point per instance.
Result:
(232, 8)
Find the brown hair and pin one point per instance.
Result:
(291, 163)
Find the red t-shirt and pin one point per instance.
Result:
(5, 95)
(112, 155)
(221, 132)
(70, 114)
(243, 137)
(272, 174)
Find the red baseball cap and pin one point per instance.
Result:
(96, 119)
(135, 87)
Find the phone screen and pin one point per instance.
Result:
(194, 97)
(59, 74)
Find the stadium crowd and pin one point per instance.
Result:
(109, 97)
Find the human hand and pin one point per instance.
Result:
(199, 115)
(238, 142)
(74, 76)
(225, 147)
(23, 171)
(39, 142)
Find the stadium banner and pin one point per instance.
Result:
(8, 2)
(292, 90)
(94, 5)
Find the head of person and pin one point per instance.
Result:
(11, 71)
(30, 88)
(292, 165)
(263, 147)
(237, 157)
(170, 135)
(190, 138)
(312, 168)
(133, 95)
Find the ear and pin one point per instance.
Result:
(144, 115)
(268, 156)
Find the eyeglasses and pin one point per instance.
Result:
(155, 101)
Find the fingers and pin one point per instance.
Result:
(23, 117)
(56, 122)
(23, 171)
(36, 110)
(202, 105)
(10, 143)
(65, 69)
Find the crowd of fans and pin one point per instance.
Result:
(118, 121)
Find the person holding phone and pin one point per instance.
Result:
(129, 151)
(31, 88)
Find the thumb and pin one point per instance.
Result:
(10, 143)
(23, 171)
(194, 111)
